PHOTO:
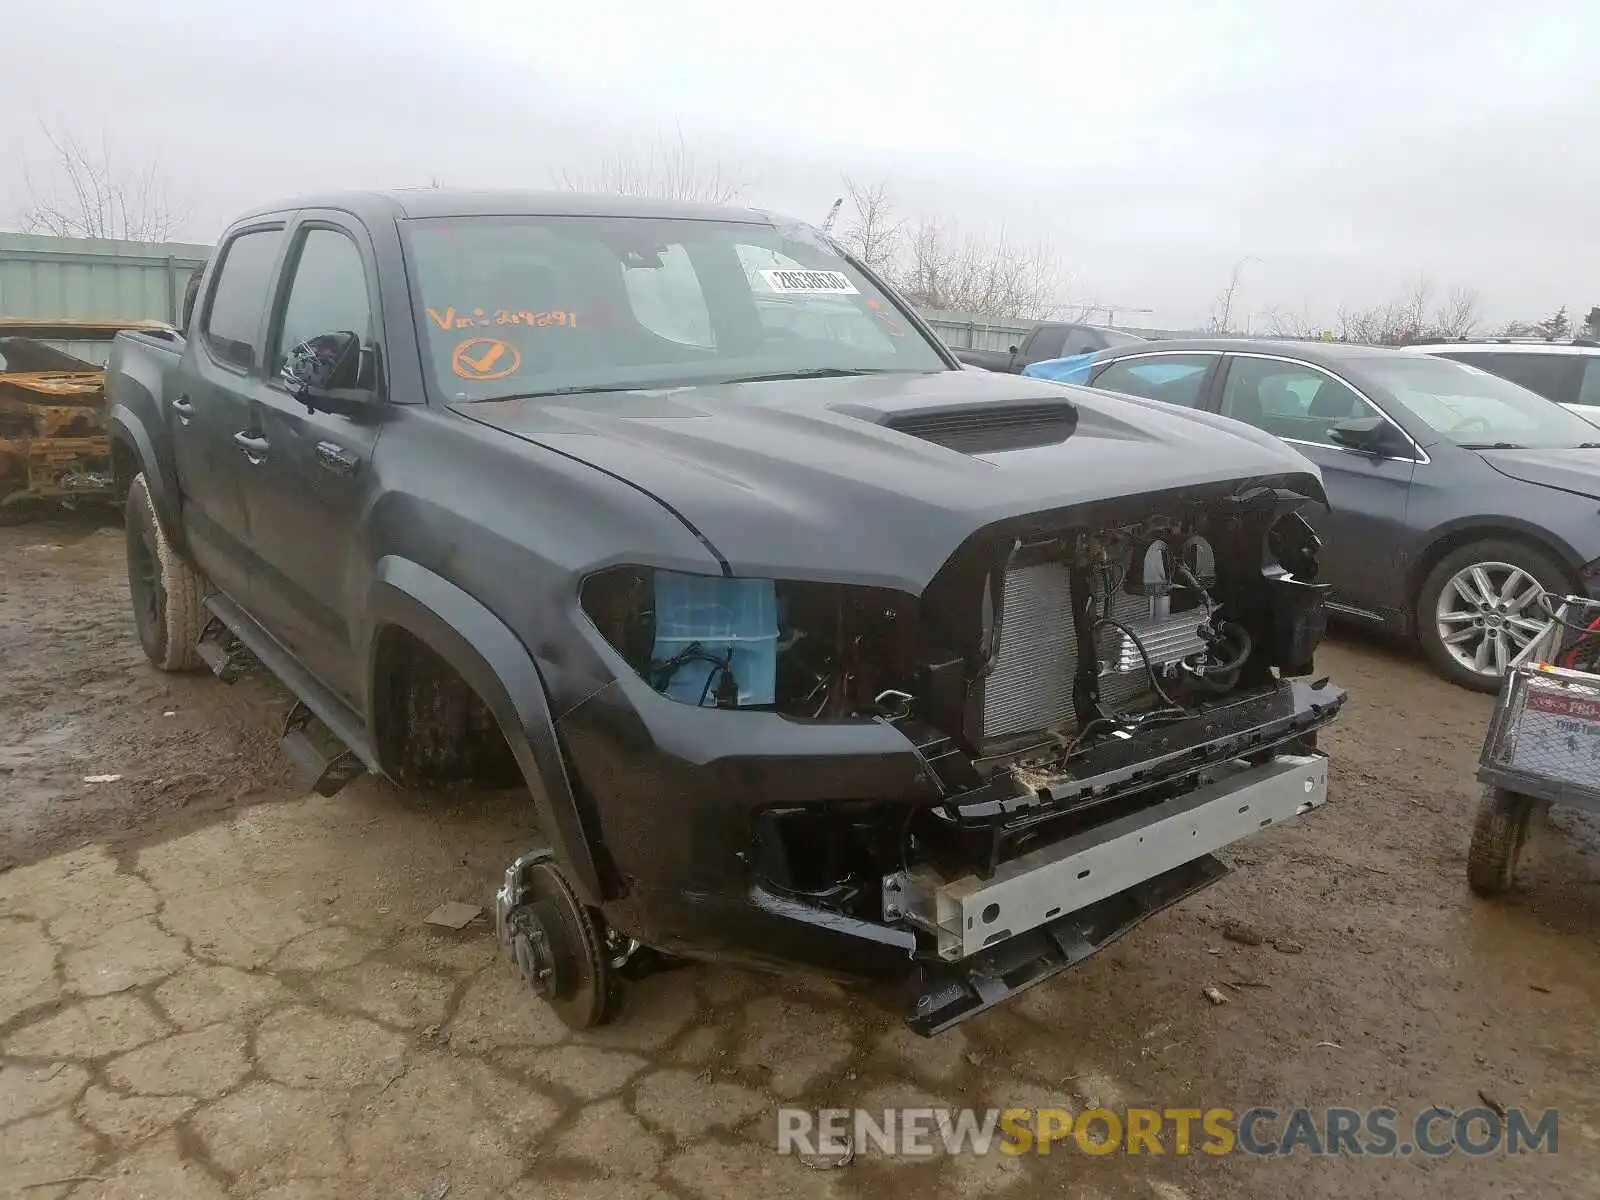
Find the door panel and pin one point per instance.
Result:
(209, 401)
(1364, 534)
(306, 497)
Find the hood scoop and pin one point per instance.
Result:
(990, 428)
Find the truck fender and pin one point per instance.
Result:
(128, 430)
(496, 665)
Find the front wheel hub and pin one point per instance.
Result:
(554, 941)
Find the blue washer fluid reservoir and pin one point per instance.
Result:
(727, 617)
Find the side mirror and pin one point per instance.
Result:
(1366, 435)
(1012, 350)
(322, 373)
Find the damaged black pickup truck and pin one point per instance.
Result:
(813, 650)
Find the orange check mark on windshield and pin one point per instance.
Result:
(482, 358)
(484, 364)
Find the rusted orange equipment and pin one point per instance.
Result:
(53, 442)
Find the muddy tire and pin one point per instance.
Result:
(165, 591)
(1478, 608)
(1498, 835)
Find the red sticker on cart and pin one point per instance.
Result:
(1558, 705)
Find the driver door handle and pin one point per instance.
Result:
(184, 408)
(253, 446)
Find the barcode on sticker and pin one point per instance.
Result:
(817, 283)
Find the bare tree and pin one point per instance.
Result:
(1295, 326)
(948, 270)
(1520, 329)
(1412, 317)
(1221, 320)
(666, 171)
(93, 196)
(872, 232)
(1459, 314)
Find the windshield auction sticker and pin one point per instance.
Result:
(485, 358)
(809, 283)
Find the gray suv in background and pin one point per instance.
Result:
(1566, 372)
(1457, 496)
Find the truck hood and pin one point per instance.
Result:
(810, 478)
(1575, 471)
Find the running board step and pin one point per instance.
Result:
(221, 651)
(323, 763)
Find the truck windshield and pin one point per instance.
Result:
(526, 306)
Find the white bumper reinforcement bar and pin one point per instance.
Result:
(968, 914)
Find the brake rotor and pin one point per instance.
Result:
(558, 950)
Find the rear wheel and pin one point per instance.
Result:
(1479, 608)
(1498, 835)
(165, 591)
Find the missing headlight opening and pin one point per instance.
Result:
(1054, 675)
(808, 650)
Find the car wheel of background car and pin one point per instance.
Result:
(1498, 835)
(1478, 609)
(165, 590)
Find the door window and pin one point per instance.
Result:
(1081, 341)
(328, 295)
(1048, 342)
(1553, 376)
(1172, 378)
(232, 328)
(1589, 393)
(1290, 400)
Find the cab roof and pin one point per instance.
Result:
(402, 204)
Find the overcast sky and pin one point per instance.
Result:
(1345, 147)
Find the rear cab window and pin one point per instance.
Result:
(539, 305)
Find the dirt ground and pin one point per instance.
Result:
(215, 985)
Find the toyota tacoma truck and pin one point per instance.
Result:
(812, 650)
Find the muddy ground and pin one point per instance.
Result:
(215, 985)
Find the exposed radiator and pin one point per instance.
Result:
(1036, 662)
(1030, 687)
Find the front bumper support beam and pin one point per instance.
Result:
(969, 914)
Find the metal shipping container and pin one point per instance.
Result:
(974, 331)
(88, 277)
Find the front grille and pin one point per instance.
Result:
(991, 428)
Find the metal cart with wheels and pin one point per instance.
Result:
(1543, 745)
